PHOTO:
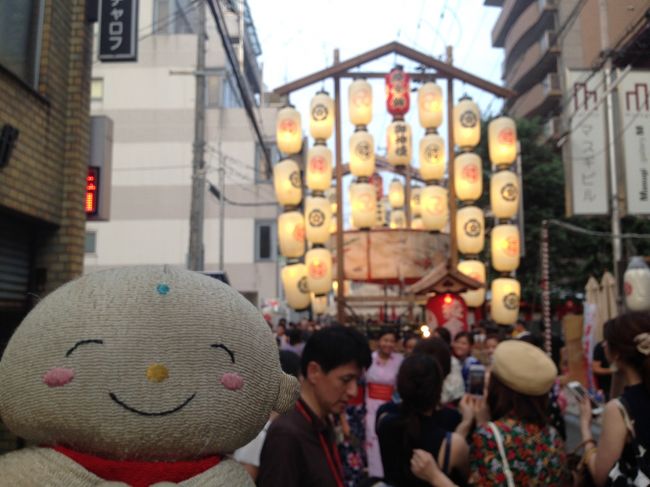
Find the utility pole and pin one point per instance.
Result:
(197, 209)
(613, 176)
(222, 200)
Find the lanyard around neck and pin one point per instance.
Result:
(334, 464)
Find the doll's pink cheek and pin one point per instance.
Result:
(232, 381)
(58, 376)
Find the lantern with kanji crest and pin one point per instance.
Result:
(321, 116)
(467, 124)
(470, 230)
(296, 288)
(430, 105)
(397, 92)
(362, 153)
(288, 130)
(468, 176)
(434, 207)
(502, 141)
(291, 234)
(504, 306)
(360, 102)
(319, 270)
(287, 182)
(505, 247)
(319, 168)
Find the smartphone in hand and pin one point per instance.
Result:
(580, 393)
(476, 380)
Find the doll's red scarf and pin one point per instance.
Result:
(140, 474)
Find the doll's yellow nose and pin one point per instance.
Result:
(157, 372)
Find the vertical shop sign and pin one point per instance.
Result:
(118, 31)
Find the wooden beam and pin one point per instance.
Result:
(340, 277)
(378, 75)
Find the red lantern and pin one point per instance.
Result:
(447, 310)
(397, 92)
(378, 182)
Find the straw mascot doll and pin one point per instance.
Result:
(139, 376)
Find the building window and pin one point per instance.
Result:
(90, 244)
(21, 24)
(97, 89)
(212, 96)
(261, 173)
(265, 241)
(175, 16)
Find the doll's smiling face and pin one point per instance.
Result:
(141, 363)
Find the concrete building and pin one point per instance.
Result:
(543, 38)
(45, 58)
(151, 104)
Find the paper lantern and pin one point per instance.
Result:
(470, 227)
(396, 194)
(333, 224)
(476, 270)
(504, 194)
(364, 205)
(291, 234)
(398, 143)
(468, 176)
(432, 157)
(416, 193)
(397, 219)
(321, 116)
(417, 224)
(434, 207)
(287, 182)
(319, 168)
(296, 288)
(360, 99)
(288, 131)
(319, 270)
(637, 285)
(467, 124)
(504, 306)
(397, 92)
(502, 141)
(430, 105)
(318, 215)
(505, 247)
(362, 154)
(318, 304)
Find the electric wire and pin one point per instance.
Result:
(595, 233)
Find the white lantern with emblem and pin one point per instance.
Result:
(287, 182)
(430, 105)
(399, 143)
(434, 207)
(362, 154)
(317, 219)
(396, 194)
(319, 270)
(470, 230)
(296, 288)
(468, 176)
(433, 160)
(319, 168)
(363, 199)
(288, 131)
(506, 293)
(502, 141)
(397, 219)
(291, 234)
(637, 285)
(505, 247)
(360, 100)
(467, 124)
(504, 194)
(476, 270)
(321, 116)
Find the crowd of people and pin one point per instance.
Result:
(478, 408)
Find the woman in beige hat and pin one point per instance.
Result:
(518, 446)
(622, 456)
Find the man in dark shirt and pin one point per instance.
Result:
(300, 448)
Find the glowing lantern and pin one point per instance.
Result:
(504, 194)
(502, 141)
(416, 193)
(434, 207)
(637, 285)
(317, 219)
(432, 157)
(319, 270)
(296, 288)
(468, 176)
(417, 224)
(396, 194)
(397, 219)
(430, 105)
(364, 205)
(467, 124)
(505, 247)
(362, 154)
(291, 234)
(318, 304)
(288, 131)
(319, 168)
(397, 92)
(476, 270)
(398, 143)
(333, 225)
(470, 225)
(321, 119)
(360, 99)
(505, 300)
(287, 182)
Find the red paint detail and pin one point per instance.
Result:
(232, 381)
(58, 376)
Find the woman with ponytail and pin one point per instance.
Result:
(415, 426)
(622, 456)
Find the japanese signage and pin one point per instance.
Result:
(588, 149)
(397, 92)
(634, 103)
(118, 30)
(92, 184)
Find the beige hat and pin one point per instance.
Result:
(524, 368)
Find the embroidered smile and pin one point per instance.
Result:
(147, 413)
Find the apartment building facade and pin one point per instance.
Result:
(151, 103)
